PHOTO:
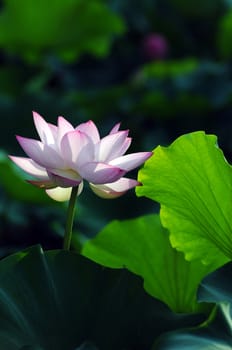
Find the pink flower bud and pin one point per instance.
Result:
(155, 46)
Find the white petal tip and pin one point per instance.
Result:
(59, 194)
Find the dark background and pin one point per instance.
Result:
(162, 68)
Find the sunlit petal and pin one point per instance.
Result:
(40, 153)
(100, 173)
(43, 129)
(61, 194)
(109, 146)
(123, 147)
(115, 189)
(90, 129)
(30, 167)
(77, 148)
(131, 161)
(63, 128)
(54, 131)
(115, 128)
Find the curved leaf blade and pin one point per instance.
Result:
(193, 183)
(142, 246)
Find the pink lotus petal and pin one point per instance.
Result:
(63, 128)
(90, 129)
(115, 128)
(42, 154)
(42, 184)
(77, 149)
(115, 189)
(54, 130)
(100, 173)
(63, 179)
(131, 161)
(110, 146)
(61, 194)
(124, 147)
(30, 167)
(43, 129)
(68, 173)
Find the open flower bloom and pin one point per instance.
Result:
(66, 155)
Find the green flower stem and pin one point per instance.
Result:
(70, 217)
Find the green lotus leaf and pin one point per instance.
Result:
(142, 246)
(192, 181)
(61, 300)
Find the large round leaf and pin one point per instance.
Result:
(142, 246)
(193, 182)
(60, 300)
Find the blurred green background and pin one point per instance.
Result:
(160, 67)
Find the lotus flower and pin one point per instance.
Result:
(65, 156)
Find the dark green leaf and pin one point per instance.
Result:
(216, 333)
(216, 287)
(60, 300)
(67, 28)
(213, 336)
(196, 8)
(224, 35)
(169, 69)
